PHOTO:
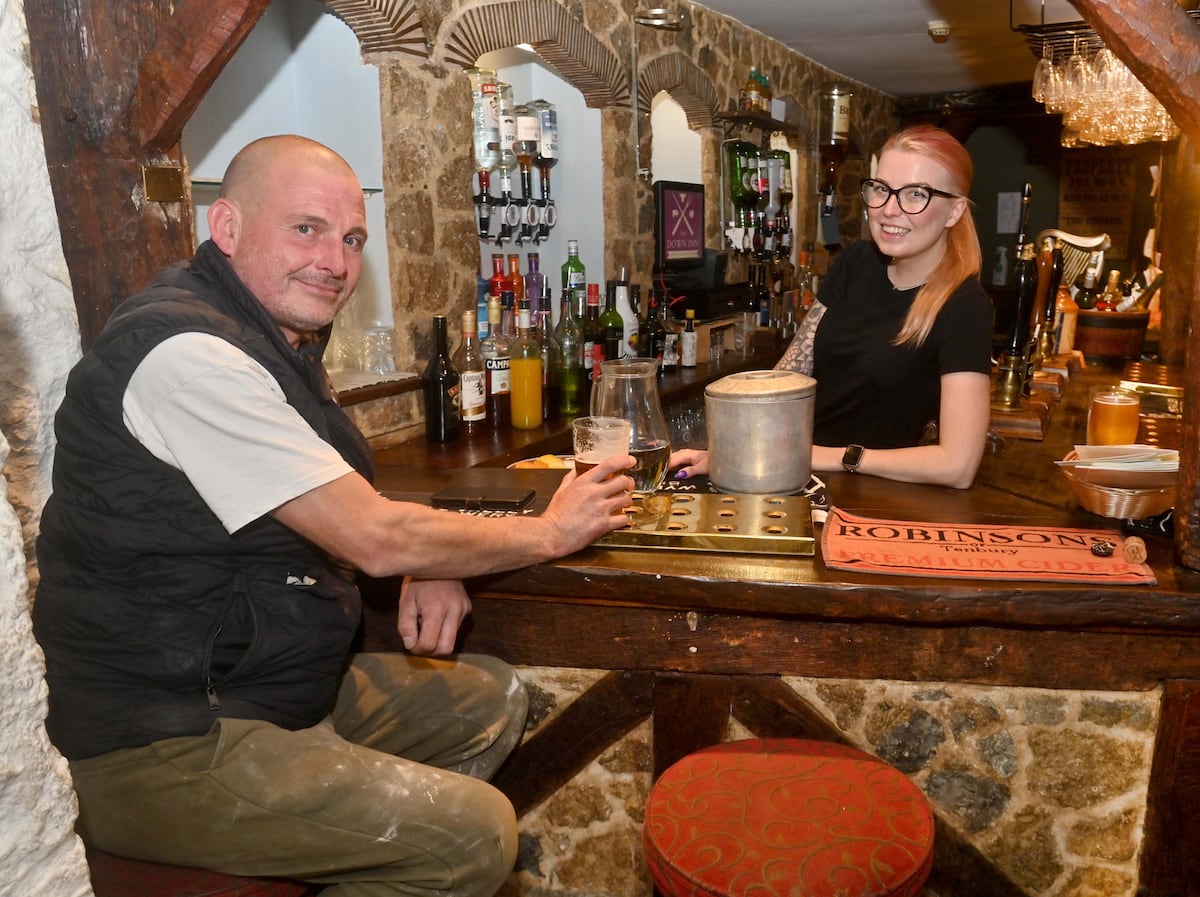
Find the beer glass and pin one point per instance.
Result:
(596, 438)
(1113, 416)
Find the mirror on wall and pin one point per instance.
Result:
(300, 71)
(576, 180)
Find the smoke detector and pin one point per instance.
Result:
(939, 30)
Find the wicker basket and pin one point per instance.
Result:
(1123, 504)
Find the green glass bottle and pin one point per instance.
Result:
(742, 166)
(613, 324)
(573, 272)
(551, 360)
(570, 355)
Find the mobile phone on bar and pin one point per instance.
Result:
(481, 498)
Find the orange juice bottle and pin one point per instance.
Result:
(525, 373)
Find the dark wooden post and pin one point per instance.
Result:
(115, 82)
(1162, 51)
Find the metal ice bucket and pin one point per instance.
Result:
(760, 431)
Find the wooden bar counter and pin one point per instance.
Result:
(691, 638)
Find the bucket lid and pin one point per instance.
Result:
(753, 385)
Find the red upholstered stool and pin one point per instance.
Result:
(787, 817)
(114, 876)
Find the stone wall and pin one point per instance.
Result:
(38, 846)
(1050, 786)
(428, 173)
(39, 341)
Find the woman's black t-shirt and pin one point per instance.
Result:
(869, 391)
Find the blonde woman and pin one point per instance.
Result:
(901, 336)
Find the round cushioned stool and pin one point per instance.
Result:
(785, 818)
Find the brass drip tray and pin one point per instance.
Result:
(735, 523)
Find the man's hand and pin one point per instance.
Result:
(584, 508)
(431, 610)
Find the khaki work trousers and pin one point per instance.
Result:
(383, 798)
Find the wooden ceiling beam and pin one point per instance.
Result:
(190, 49)
(1160, 44)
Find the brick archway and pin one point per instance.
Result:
(383, 25)
(685, 82)
(556, 35)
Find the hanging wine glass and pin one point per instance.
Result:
(1054, 90)
(1042, 71)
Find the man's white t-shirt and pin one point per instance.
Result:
(209, 410)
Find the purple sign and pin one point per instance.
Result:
(680, 222)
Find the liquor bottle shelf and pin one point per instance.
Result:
(759, 120)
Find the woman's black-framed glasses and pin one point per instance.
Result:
(913, 199)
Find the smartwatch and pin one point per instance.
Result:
(852, 458)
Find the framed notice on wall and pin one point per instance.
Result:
(1096, 193)
(678, 225)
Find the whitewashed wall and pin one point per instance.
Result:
(576, 184)
(39, 341)
(300, 71)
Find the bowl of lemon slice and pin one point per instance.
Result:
(543, 462)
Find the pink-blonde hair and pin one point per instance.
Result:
(962, 259)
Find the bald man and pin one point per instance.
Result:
(197, 604)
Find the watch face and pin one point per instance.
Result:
(853, 457)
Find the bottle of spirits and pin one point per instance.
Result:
(593, 341)
(508, 135)
(498, 282)
(482, 290)
(1128, 301)
(1086, 297)
(468, 361)
(687, 340)
(573, 272)
(834, 136)
(629, 322)
(547, 152)
(440, 385)
(637, 347)
(803, 280)
(567, 301)
(551, 362)
(496, 361)
(613, 322)
(670, 349)
(525, 371)
(525, 147)
(783, 223)
(515, 279)
(535, 286)
(652, 335)
(750, 98)
(571, 386)
(1110, 299)
(485, 140)
(516, 283)
(762, 295)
